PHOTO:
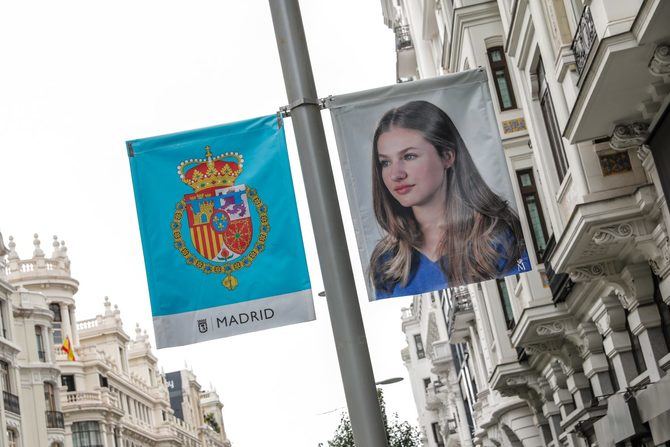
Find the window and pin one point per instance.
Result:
(420, 353)
(67, 380)
(104, 383)
(41, 353)
(506, 303)
(86, 434)
(501, 78)
(4, 377)
(49, 396)
(426, 383)
(57, 323)
(436, 434)
(551, 124)
(533, 208)
(3, 322)
(12, 437)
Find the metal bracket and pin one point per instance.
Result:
(285, 111)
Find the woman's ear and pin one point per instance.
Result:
(448, 159)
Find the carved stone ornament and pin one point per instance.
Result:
(544, 348)
(553, 328)
(587, 273)
(626, 136)
(659, 65)
(660, 264)
(643, 152)
(516, 381)
(613, 233)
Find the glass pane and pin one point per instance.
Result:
(496, 56)
(536, 222)
(507, 305)
(525, 180)
(503, 88)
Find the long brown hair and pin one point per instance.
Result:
(481, 228)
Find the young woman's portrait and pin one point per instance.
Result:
(442, 224)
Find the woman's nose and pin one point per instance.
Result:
(398, 172)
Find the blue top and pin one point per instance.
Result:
(428, 275)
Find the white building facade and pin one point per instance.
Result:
(574, 353)
(111, 394)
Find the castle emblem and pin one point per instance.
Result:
(217, 218)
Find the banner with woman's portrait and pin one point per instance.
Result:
(428, 185)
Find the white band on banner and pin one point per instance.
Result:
(233, 319)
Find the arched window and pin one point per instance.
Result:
(12, 437)
(57, 323)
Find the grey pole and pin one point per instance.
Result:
(345, 313)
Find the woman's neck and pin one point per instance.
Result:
(431, 222)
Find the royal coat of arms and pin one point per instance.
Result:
(216, 217)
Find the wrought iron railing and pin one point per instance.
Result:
(403, 39)
(11, 402)
(584, 40)
(54, 419)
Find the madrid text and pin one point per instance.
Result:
(245, 317)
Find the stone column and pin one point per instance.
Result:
(65, 323)
(610, 320)
(594, 362)
(73, 325)
(578, 385)
(557, 382)
(645, 323)
(104, 434)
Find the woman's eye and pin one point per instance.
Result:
(384, 163)
(409, 156)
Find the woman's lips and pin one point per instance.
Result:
(402, 189)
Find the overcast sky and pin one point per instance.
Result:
(80, 78)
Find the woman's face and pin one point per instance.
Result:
(412, 170)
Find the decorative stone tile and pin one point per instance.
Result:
(514, 125)
(615, 163)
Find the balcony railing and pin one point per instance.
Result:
(54, 419)
(403, 39)
(460, 304)
(584, 40)
(11, 402)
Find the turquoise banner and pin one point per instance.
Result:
(220, 233)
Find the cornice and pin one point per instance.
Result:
(465, 17)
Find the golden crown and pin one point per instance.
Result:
(221, 170)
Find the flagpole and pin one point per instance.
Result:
(345, 313)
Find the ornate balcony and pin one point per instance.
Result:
(620, 69)
(585, 39)
(11, 402)
(406, 66)
(460, 314)
(54, 419)
(441, 357)
(96, 400)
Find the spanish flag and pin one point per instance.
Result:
(68, 349)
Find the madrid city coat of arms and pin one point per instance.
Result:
(212, 226)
